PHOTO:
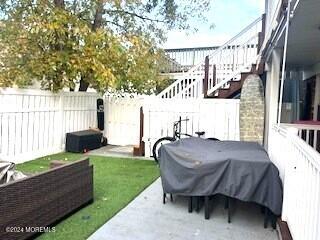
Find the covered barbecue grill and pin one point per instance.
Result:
(241, 170)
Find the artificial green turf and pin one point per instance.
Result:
(116, 182)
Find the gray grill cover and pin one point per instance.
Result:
(200, 167)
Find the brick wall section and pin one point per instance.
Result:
(252, 109)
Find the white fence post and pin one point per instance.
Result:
(60, 134)
(146, 126)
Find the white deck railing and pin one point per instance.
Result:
(299, 166)
(308, 132)
(230, 59)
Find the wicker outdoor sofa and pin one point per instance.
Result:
(28, 206)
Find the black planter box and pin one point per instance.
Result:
(83, 140)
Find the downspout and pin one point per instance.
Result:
(284, 61)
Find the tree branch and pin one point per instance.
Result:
(135, 15)
(117, 25)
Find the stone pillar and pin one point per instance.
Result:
(272, 93)
(252, 110)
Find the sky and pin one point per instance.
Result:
(229, 18)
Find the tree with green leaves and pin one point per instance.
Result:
(107, 45)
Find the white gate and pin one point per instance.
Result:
(122, 120)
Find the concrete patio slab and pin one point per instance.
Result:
(116, 151)
(146, 218)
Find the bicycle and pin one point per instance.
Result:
(176, 136)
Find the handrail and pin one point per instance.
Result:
(185, 90)
(228, 42)
(170, 87)
(299, 143)
(220, 84)
(304, 131)
(302, 126)
(233, 75)
(191, 72)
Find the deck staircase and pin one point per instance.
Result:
(222, 73)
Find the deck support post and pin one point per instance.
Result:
(206, 77)
(214, 75)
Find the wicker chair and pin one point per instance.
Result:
(43, 199)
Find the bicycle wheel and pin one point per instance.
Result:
(158, 144)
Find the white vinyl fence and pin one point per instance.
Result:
(34, 123)
(219, 118)
(299, 166)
